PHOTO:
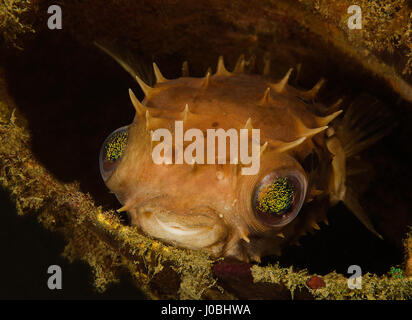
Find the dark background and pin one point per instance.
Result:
(27, 250)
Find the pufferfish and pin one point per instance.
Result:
(213, 207)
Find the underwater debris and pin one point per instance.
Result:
(316, 282)
(13, 21)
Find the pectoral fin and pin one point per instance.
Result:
(351, 202)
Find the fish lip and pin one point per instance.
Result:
(202, 230)
(172, 227)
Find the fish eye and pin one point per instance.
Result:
(112, 150)
(278, 197)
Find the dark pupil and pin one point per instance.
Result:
(115, 146)
(276, 197)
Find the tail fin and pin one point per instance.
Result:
(365, 122)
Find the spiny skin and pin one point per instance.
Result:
(210, 206)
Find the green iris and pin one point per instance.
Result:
(276, 197)
(116, 145)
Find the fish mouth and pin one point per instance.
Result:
(196, 229)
